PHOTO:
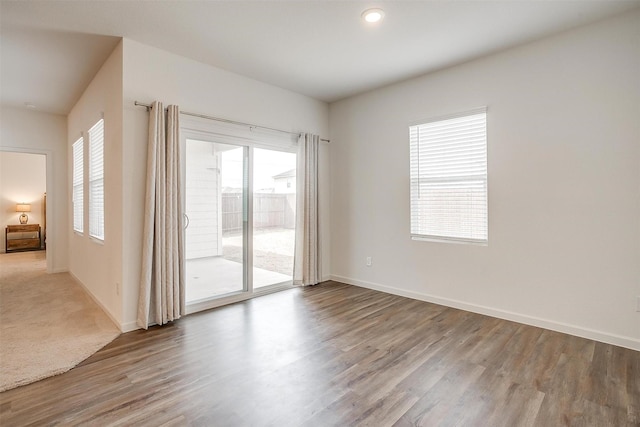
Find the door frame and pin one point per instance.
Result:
(51, 199)
(224, 133)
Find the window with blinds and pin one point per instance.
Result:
(78, 185)
(96, 180)
(448, 162)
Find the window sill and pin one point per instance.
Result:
(450, 240)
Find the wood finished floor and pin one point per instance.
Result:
(338, 355)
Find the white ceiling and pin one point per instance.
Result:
(50, 50)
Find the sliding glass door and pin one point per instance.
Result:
(274, 216)
(240, 203)
(215, 203)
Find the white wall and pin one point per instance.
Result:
(23, 178)
(202, 197)
(564, 185)
(151, 74)
(34, 132)
(98, 265)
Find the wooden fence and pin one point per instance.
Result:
(269, 211)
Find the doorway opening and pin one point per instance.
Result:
(23, 201)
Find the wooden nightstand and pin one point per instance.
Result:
(22, 237)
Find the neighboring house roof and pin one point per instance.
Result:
(288, 174)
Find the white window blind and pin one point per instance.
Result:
(96, 180)
(448, 162)
(78, 185)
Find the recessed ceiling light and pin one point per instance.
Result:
(373, 15)
(30, 105)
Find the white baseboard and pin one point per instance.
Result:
(129, 326)
(124, 327)
(102, 306)
(622, 341)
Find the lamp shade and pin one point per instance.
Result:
(23, 207)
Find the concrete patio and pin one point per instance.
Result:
(215, 276)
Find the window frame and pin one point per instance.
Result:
(77, 180)
(476, 183)
(96, 181)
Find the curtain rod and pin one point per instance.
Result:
(218, 119)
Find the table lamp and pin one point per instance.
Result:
(23, 207)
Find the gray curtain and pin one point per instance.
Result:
(306, 262)
(162, 282)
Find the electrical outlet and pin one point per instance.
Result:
(368, 261)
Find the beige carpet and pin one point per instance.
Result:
(48, 324)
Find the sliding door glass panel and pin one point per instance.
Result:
(274, 216)
(215, 206)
